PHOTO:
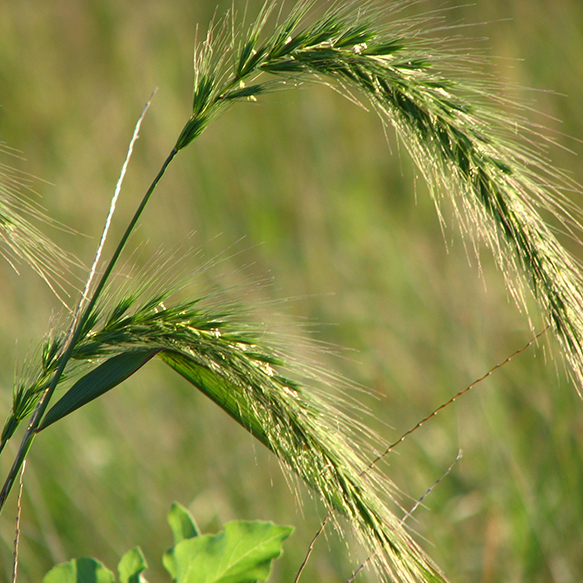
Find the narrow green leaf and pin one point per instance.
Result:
(83, 570)
(131, 566)
(242, 553)
(97, 382)
(182, 523)
(10, 427)
(202, 94)
(225, 394)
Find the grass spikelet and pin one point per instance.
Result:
(239, 366)
(465, 148)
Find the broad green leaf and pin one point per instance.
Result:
(170, 563)
(131, 566)
(97, 382)
(242, 553)
(83, 570)
(182, 523)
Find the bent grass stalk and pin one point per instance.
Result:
(462, 148)
(461, 145)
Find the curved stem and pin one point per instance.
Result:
(77, 328)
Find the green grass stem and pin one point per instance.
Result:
(42, 398)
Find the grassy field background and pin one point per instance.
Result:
(299, 191)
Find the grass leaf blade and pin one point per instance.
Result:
(97, 382)
(227, 395)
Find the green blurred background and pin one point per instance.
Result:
(300, 189)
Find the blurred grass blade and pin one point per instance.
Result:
(97, 382)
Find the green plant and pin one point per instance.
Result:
(227, 360)
(241, 553)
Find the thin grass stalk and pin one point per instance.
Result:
(17, 526)
(77, 332)
(112, 206)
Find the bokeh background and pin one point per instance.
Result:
(301, 191)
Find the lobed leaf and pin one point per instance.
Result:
(131, 566)
(83, 570)
(242, 553)
(182, 523)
